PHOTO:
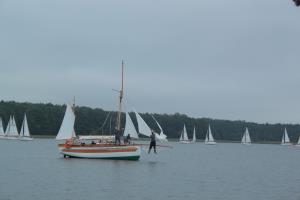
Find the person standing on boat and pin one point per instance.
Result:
(117, 137)
(152, 142)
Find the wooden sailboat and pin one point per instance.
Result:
(184, 137)
(24, 133)
(246, 137)
(209, 139)
(11, 132)
(97, 151)
(285, 138)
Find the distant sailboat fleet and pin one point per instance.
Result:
(11, 132)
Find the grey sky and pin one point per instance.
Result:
(222, 59)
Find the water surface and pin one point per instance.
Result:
(35, 170)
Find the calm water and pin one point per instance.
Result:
(35, 170)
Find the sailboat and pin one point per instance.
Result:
(184, 137)
(129, 128)
(298, 143)
(2, 135)
(72, 148)
(285, 138)
(194, 135)
(145, 130)
(11, 132)
(209, 139)
(24, 133)
(246, 137)
(162, 136)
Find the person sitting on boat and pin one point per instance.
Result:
(127, 139)
(152, 142)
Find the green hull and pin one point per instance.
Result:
(132, 158)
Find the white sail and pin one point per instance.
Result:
(185, 136)
(285, 137)
(66, 130)
(24, 129)
(1, 128)
(246, 137)
(298, 141)
(143, 128)
(194, 135)
(129, 128)
(11, 129)
(209, 139)
(181, 138)
(162, 135)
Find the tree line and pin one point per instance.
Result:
(45, 119)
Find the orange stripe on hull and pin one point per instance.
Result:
(100, 150)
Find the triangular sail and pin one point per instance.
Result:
(162, 135)
(209, 136)
(298, 141)
(181, 138)
(66, 130)
(24, 129)
(194, 135)
(129, 128)
(1, 128)
(11, 129)
(285, 137)
(143, 128)
(185, 136)
(246, 137)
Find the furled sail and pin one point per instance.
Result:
(66, 130)
(129, 128)
(24, 129)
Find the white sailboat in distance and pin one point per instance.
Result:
(24, 133)
(209, 139)
(184, 137)
(11, 132)
(246, 137)
(194, 135)
(2, 135)
(285, 138)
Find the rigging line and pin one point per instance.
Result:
(105, 121)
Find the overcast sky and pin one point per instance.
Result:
(228, 59)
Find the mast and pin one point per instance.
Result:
(120, 100)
